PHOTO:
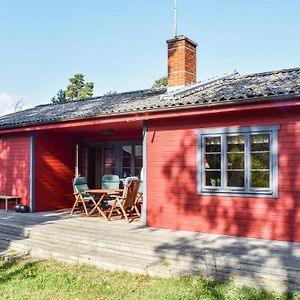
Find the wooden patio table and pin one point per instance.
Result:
(102, 193)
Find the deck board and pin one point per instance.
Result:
(117, 245)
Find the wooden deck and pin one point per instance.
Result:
(117, 245)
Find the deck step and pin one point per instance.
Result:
(125, 254)
(107, 260)
(121, 263)
(121, 246)
(128, 245)
(170, 263)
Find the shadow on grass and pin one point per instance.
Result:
(20, 268)
(82, 281)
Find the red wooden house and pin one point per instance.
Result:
(221, 156)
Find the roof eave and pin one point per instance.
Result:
(281, 97)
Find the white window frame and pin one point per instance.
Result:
(247, 191)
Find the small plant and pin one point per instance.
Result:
(213, 182)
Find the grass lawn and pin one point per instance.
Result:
(27, 279)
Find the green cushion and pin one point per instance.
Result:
(80, 180)
(80, 185)
(110, 182)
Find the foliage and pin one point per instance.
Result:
(18, 105)
(78, 89)
(161, 82)
(60, 97)
(26, 279)
(110, 93)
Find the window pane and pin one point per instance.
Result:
(109, 161)
(235, 143)
(126, 161)
(260, 179)
(127, 152)
(213, 161)
(138, 160)
(235, 178)
(260, 160)
(260, 142)
(213, 144)
(235, 161)
(212, 178)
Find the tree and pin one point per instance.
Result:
(161, 82)
(60, 97)
(78, 89)
(110, 93)
(18, 105)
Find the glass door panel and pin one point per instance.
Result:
(126, 155)
(122, 159)
(109, 160)
(138, 160)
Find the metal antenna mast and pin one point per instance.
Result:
(175, 19)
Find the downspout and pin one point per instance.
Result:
(144, 211)
(32, 173)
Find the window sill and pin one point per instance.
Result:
(237, 194)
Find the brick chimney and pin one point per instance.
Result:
(181, 62)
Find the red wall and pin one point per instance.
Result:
(171, 183)
(15, 167)
(54, 171)
(55, 164)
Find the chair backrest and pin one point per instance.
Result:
(80, 184)
(110, 182)
(131, 188)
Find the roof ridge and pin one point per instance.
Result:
(199, 86)
(141, 91)
(286, 70)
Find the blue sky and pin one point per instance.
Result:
(120, 45)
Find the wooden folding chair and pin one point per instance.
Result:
(81, 197)
(126, 204)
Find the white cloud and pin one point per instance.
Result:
(8, 103)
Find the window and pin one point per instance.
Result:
(238, 161)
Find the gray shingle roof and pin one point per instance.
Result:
(229, 89)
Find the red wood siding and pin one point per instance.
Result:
(55, 164)
(171, 183)
(54, 171)
(15, 167)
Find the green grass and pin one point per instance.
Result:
(27, 279)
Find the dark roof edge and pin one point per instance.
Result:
(261, 100)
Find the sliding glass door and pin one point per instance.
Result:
(109, 160)
(118, 158)
(131, 160)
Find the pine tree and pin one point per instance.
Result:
(161, 82)
(60, 97)
(78, 89)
